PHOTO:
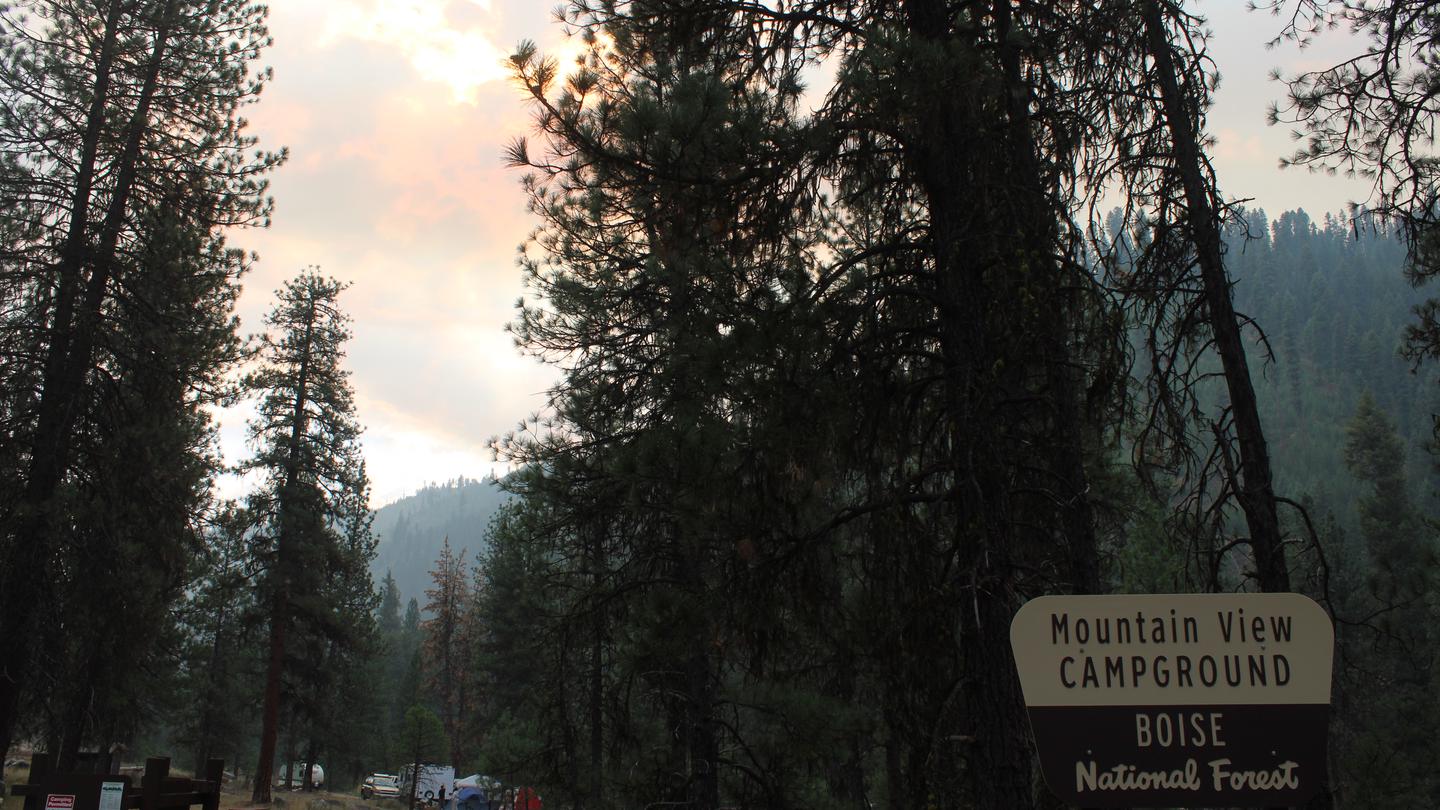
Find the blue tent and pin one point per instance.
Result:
(471, 798)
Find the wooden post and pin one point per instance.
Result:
(41, 764)
(152, 784)
(215, 775)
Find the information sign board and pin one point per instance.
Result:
(112, 796)
(1180, 700)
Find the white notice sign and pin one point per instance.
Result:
(112, 796)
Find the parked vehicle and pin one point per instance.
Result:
(294, 774)
(429, 782)
(381, 786)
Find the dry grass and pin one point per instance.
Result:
(13, 776)
(236, 795)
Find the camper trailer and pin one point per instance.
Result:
(429, 782)
(292, 775)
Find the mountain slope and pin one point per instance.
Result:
(412, 530)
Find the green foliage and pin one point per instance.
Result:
(422, 736)
(1387, 648)
(448, 636)
(311, 535)
(123, 162)
(213, 712)
(421, 740)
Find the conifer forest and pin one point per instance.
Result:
(866, 324)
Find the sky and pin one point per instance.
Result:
(396, 114)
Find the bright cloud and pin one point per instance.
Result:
(1239, 147)
(444, 40)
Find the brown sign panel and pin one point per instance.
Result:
(79, 791)
(1189, 700)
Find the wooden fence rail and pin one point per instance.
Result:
(158, 790)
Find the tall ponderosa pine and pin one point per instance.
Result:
(673, 286)
(123, 157)
(311, 532)
(446, 642)
(1182, 81)
(141, 482)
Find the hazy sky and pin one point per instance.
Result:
(396, 113)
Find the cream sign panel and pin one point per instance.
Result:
(1177, 699)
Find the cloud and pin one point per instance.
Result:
(445, 41)
(1238, 147)
(396, 183)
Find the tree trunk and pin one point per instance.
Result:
(703, 749)
(77, 713)
(270, 713)
(1037, 240)
(596, 798)
(967, 164)
(1254, 489)
(309, 783)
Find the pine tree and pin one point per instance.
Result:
(422, 741)
(1169, 32)
(145, 464)
(311, 523)
(1373, 114)
(1398, 546)
(1388, 649)
(519, 690)
(387, 670)
(388, 614)
(671, 293)
(121, 134)
(445, 642)
(407, 663)
(220, 644)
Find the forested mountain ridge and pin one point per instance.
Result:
(412, 530)
(1333, 303)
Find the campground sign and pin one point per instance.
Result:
(1182, 700)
